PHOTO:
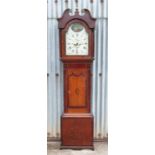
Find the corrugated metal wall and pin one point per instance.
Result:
(98, 9)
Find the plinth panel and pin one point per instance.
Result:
(77, 131)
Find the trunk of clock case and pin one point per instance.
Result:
(77, 87)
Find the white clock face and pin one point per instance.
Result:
(76, 40)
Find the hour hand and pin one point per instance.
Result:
(76, 44)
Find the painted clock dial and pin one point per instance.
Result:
(76, 40)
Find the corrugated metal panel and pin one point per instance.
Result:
(98, 10)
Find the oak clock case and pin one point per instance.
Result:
(77, 54)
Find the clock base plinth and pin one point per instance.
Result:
(77, 131)
(77, 147)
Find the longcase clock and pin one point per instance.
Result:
(77, 54)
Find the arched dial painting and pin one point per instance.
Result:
(77, 54)
(76, 40)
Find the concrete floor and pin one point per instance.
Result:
(101, 148)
